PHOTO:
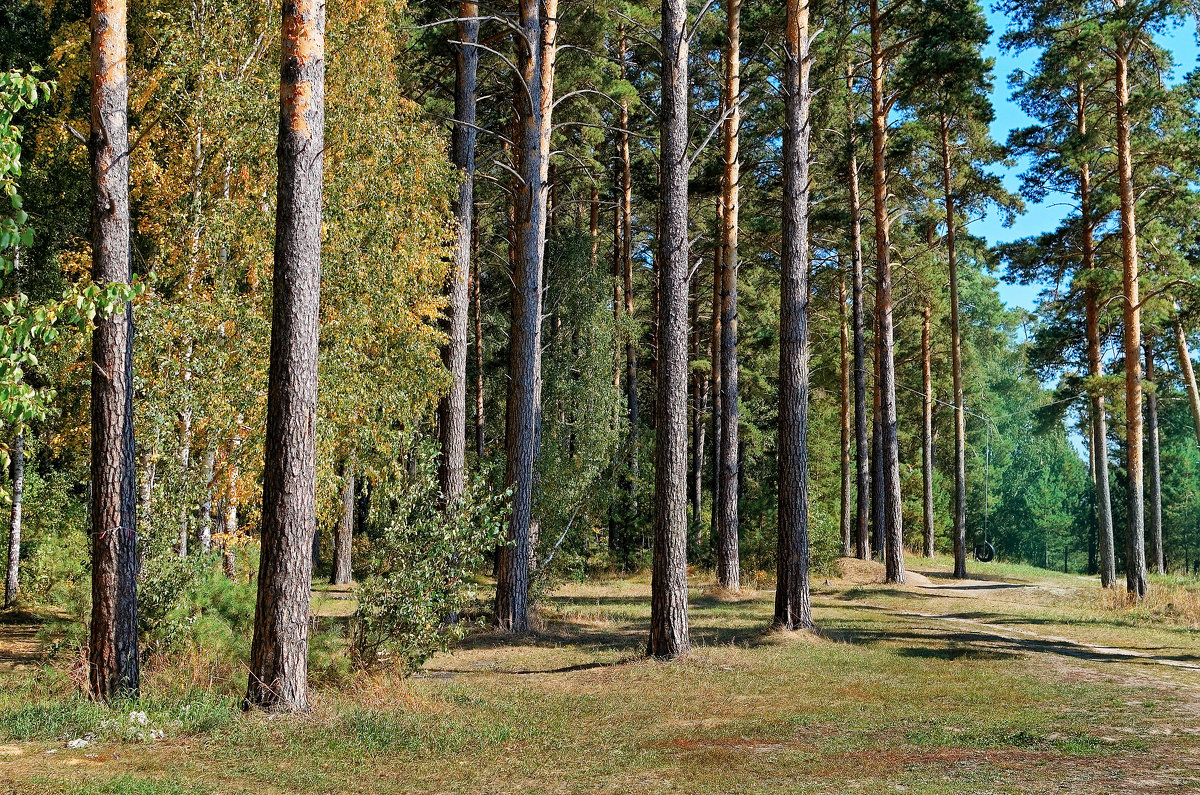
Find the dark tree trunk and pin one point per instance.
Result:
(728, 566)
(847, 497)
(452, 409)
(279, 651)
(793, 606)
(343, 539)
(536, 49)
(927, 431)
(1135, 557)
(113, 642)
(1156, 560)
(960, 414)
(669, 606)
(891, 514)
(12, 581)
(862, 452)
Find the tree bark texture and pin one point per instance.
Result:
(452, 408)
(891, 512)
(793, 606)
(113, 642)
(535, 58)
(862, 435)
(17, 471)
(847, 498)
(728, 566)
(1135, 558)
(927, 430)
(960, 409)
(343, 540)
(669, 606)
(1154, 465)
(279, 651)
(1189, 376)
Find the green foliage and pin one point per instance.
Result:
(187, 602)
(421, 569)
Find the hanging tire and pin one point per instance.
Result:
(985, 552)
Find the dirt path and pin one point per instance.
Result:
(20, 646)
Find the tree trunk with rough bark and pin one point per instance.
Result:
(1135, 558)
(793, 605)
(536, 52)
(847, 497)
(343, 540)
(862, 435)
(1156, 559)
(113, 670)
(452, 408)
(279, 650)
(960, 413)
(891, 512)
(728, 566)
(17, 471)
(927, 430)
(669, 593)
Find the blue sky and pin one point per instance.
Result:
(1045, 216)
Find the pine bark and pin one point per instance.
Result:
(1099, 422)
(452, 408)
(728, 566)
(927, 430)
(669, 606)
(847, 494)
(1135, 558)
(536, 51)
(113, 669)
(891, 512)
(17, 472)
(279, 651)
(1189, 376)
(1154, 465)
(862, 434)
(343, 540)
(793, 606)
(960, 413)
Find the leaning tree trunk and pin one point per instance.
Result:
(343, 540)
(17, 470)
(279, 651)
(536, 53)
(669, 607)
(113, 669)
(452, 408)
(862, 435)
(891, 512)
(793, 606)
(847, 496)
(1099, 421)
(960, 413)
(1189, 376)
(1135, 559)
(728, 567)
(927, 430)
(1155, 466)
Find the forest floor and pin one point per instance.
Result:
(1016, 681)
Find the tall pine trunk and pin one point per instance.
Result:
(1156, 555)
(113, 670)
(927, 430)
(452, 408)
(960, 412)
(728, 567)
(862, 434)
(631, 363)
(1135, 557)
(669, 607)
(847, 495)
(793, 606)
(890, 512)
(279, 651)
(536, 50)
(477, 301)
(1189, 375)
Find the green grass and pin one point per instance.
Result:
(878, 701)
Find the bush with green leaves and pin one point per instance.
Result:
(422, 569)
